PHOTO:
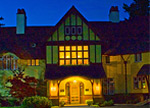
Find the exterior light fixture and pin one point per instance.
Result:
(74, 81)
(53, 88)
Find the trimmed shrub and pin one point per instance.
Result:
(61, 104)
(107, 103)
(89, 102)
(36, 102)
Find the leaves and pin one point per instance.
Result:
(22, 86)
(137, 8)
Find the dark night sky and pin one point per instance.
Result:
(49, 12)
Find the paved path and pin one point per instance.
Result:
(115, 106)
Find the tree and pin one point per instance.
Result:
(22, 86)
(137, 8)
(1, 24)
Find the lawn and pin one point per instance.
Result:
(20, 107)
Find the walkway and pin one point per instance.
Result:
(115, 106)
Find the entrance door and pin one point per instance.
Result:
(74, 93)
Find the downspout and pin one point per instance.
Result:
(125, 64)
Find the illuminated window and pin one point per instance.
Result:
(139, 80)
(33, 62)
(37, 62)
(143, 83)
(73, 55)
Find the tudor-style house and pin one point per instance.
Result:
(81, 60)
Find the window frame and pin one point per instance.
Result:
(138, 57)
(71, 58)
(107, 58)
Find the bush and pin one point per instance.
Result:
(61, 104)
(36, 102)
(89, 102)
(107, 103)
(13, 102)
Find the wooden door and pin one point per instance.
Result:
(74, 93)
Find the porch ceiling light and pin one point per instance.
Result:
(74, 81)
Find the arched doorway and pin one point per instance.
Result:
(75, 91)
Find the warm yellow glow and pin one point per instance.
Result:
(79, 61)
(67, 48)
(85, 47)
(67, 62)
(73, 48)
(28, 62)
(73, 54)
(79, 48)
(79, 54)
(86, 61)
(67, 54)
(74, 81)
(53, 88)
(97, 87)
(61, 54)
(61, 48)
(37, 62)
(62, 62)
(74, 62)
(86, 54)
(33, 62)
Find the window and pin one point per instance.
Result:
(136, 83)
(67, 30)
(138, 57)
(139, 80)
(73, 55)
(79, 30)
(33, 62)
(108, 86)
(107, 59)
(143, 83)
(8, 62)
(73, 30)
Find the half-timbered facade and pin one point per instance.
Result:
(81, 60)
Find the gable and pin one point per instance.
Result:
(73, 27)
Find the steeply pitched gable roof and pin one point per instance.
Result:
(125, 37)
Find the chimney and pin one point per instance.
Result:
(114, 14)
(21, 21)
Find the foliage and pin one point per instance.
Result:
(36, 102)
(61, 104)
(41, 88)
(22, 86)
(107, 103)
(137, 8)
(89, 102)
(13, 102)
(4, 76)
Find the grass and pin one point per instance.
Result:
(20, 107)
(10, 107)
